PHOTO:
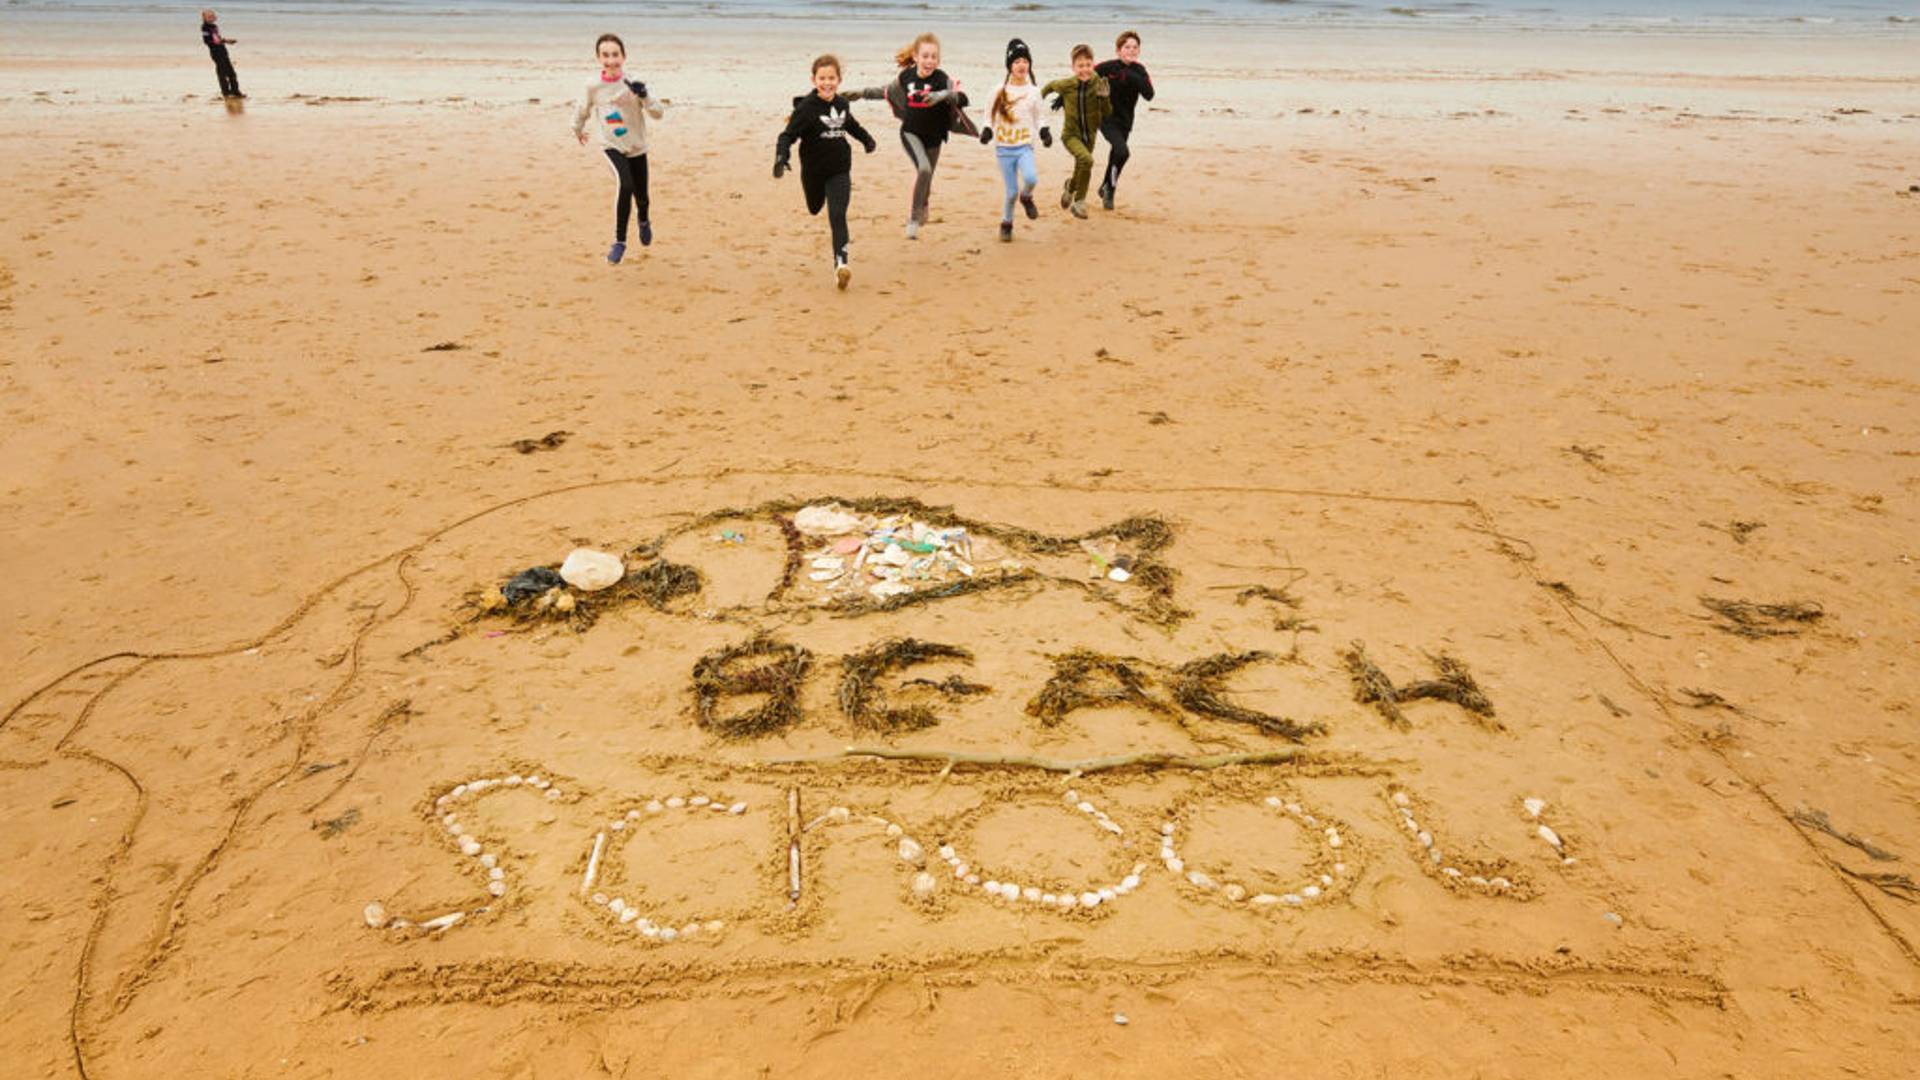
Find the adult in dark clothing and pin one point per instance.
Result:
(1129, 82)
(821, 123)
(217, 48)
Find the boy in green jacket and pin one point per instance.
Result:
(1087, 102)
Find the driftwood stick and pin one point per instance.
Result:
(793, 846)
(1157, 760)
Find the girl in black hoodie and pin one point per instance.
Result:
(821, 123)
(928, 105)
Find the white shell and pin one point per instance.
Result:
(1031, 894)
(1500, 883)
(1176, 865)
(973, 879)
(497, 888)
(376, 915)
(1273, 801)
(676, 802)
(469, 846)
(698, 800)
(1090, 899)
(1130, 882)
(737, 808)
(617, 905)
(540, 782)
(923, 884)
(1549, 836)
(458, 790)
(894, 832)
(443, 921)
(515, 780)
(489, 860)
(912, 852)
(992, 888)
(1107, 892)
(1400, 799)
(668, 933)
(1084, 807)
(1534, 807)
(1264, 899)
(1199, 879)
(654, 806)
(947, 852)
(590, 571)
(1426, 839)
(1166, 829)
(840, 814)
(1049, 899)
(714, 926)
(1310, 891)
(1237, 893)
(496, 874)
(629, 915)
(1107, 824)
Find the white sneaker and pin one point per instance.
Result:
(913, 230)
(841, 273)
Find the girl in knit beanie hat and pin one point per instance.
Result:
(1014, 121)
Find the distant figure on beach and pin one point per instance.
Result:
(821, 123)
(1128, 82)
(622, 106)
(1087, 101)
(929, 105)
(217, 43)
(1014, 120)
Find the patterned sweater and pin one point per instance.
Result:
(618, 114)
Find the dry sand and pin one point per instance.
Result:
(1495, 384)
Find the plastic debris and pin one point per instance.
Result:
(590, 571)
(829, 520)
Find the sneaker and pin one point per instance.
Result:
(841, 273)
(1066, 195)
(1079, 209)
(913, 229)
(1006, 231)
(1106, 197)
(615, 252)
(1026, 203)
(646, 231)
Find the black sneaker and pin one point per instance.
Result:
(1106, 196)
(1006, 231)
(1026, 203)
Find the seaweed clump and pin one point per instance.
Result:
(1197, 687)
(731, 672)
(1744, 618)
(862, 700)
(1456, 684)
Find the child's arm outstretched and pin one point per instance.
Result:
(783, 146)
(859, 131)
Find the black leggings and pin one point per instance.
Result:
(223, 70)
(632, 174)
(1117, 153)
(833, 192)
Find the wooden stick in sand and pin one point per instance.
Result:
(1158, 760)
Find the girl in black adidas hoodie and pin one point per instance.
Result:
(821, 123)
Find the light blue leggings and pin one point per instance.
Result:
(1020, 173)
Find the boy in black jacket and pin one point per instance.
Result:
(1129, 83)
(821, 123)
(216, 45)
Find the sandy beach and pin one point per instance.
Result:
(1581, 372)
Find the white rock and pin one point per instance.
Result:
(972, 879)
(1166, 828)
(1236, 893)
(1130, 882)
(1176, 865)
(737, 808)
(629, 915)
(618, 824)
(496, 874)
(1426, 839)
(924, 884)
(1500, 883)
(515, 780)
(1263, 899)
(497, 888)
(376, 915)
(1310, 891)
(654, 806)
(1273, 801)
(1049, 899)
(911, 852)
(1549, 836)
(947, 852)
(698, 800)
(1108, 824)
(1290, 898)
(455, 829)
(458, 790)
(1090, 899)
(1400, 799)
(1031, 894)
(1107, 893)
(1326, 879)
(960, 870)
(1478, 880)
(714, 926)
(1120, 1018)
(1450, 871)
(1534, 807)
(676, 803)
(553, 794)
(894, 832)
(617, 905)
(469, 846)
(1199, 879)
(1084, 807)
(1068, 902)
(633, 815)
(668, 933)
(590, 571)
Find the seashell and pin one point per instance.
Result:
(1166, 828)
(1106, 893)
(443, 921)
(1406, 813)
(946, 852)
(469, 846)
(1130, 882)
(690, 929)
(1290, 898)
(515, 780)
(1450, 871)
(442, 801)
(1049, 899)
(1120, 1018)
(633, 815)
(992, 887)
(1273, 801)
(629, 915)
(1263, 899)
(911, 852)
(590, 571)
(1068, 901)
(676, 803)
(1534, 807)
(1400, 799)
(1549, 836)
(1293, 808)
(1176, 865)
(668, 933)
(1326, 879)
(1409, 824)
(654, 806)
(1434, 854)
(489, 860)
(959, 869)
(1477, 880)
(923, 884)
(1090, 899)
(714, 926)
(1107, 824)
(1237, 893)
(840, 814)
(1500, 883)
(617, 824)
(1199, 879)
(600, 898)
(1310, 891)
(698, 800)
(1339, 868)
(459, 790)
(652, 932)
(894, 832)
(1333, 839)
(497, 888)
(376, 915)
(1426, 839)
(1084, 807)
(496, 874)
(617, 905)
(455, 829)
(1031, 894)
(540, 782)
(972, 879)
(553, 794)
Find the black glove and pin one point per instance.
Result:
(639, 88)
(1046, 137)
(870, 145)
(1059, 102)
(986, 136)
(779, 168)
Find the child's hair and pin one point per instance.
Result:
(826, 60)
(1000, 106)
(1126, 36)
(1081, 50)
(604, 38)
(905, 56)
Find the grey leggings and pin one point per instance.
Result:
(925, 159)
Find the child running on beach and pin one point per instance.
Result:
(216, 44)
(1087, 101)
(929, 105)
(821, 123)
(1129, 83)
(622, 106)
(1012, 121)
